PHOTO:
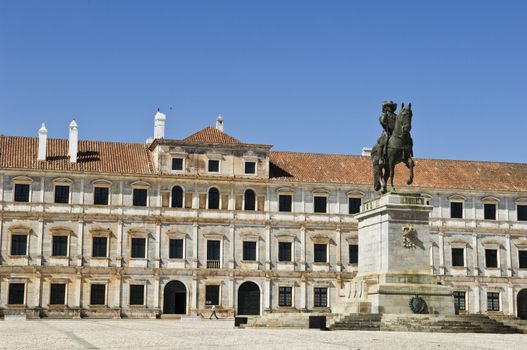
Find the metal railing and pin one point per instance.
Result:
(213, 264)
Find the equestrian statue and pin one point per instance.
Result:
(394, 146)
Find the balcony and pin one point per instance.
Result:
(213, 264)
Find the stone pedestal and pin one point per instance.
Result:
(394, 260)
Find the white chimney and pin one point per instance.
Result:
(42, 140)
(219, 123)
(366, 152)
(159, 125)
(73, 142)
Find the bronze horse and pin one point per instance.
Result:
(399, 150)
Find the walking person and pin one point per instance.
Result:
(213, 309)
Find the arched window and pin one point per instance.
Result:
(250, 200)
(177, 197)
(214, 198)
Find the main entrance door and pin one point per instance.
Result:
(249, 299)
(175, 298)
(522, 304)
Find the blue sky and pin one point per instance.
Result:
(302, 75)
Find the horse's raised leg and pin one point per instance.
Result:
(392, 172)
(410, 163)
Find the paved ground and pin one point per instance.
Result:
(205, 334)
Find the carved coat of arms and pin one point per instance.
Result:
(409, 237)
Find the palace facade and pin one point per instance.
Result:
(106, 229)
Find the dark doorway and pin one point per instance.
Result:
(175, 298)
(522, 304)
(249, 299)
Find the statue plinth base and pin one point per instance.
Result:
(394, 258)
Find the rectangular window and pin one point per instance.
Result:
(137, 294)
(321, 297)
(459, 301)
(177, 164)
(213, 249)
(521, 212)
(353, 254)
(57, 294)
(19, 245)
(97, 294)
(458, 256)
(522, 259)
(101, 195)
(285, 202)
(493, 301)
(249, 251)
(320, 203)
(214, 166)
(321, 251)
(354, 205)
(250, 167)
(21, 193)
(456, 210)
(489, 211)
(16, 293)
(212, 295)
(138, 247)
(62, 194)
(491, 257)
(284, 251)
(285, 296)
(99, 247)
(175, 250)
(59, 246)
(140, 197)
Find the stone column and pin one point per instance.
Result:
(40, 241)
(510, 290)
(80, 244)
(303, 263)
(508, 253)
(303, 292)
(231, 292)
(195, 197)
(156, 284)
(267, 294)
(441, 253)
(3, 251)
(339, 249)
(119, 250)
(475, 267)
(195, 253)
(157, 238)
(477, 299)
(194, 292)
(232, 230)
(267, 247)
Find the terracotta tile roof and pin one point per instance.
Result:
(211, 135)
(429, 173)
(93, 156)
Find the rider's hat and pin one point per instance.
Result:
(390, 104)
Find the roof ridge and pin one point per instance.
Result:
(210, 134)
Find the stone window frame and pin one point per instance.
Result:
(208, 195)
(520, 245)
(175, 234)
(135, 282)
(17, 280)
(136, 232)
(491, 244)
(66, 282)
(321, 239)
(211, 283)
(321, 192)
(99, 231)
(141, 185)
(102, 183)
(286, 191)
(322, 284)
(23, 180)
(520, 201)
(500, 292)
(357, 195)
(250, 159)
(214, 236)
(460, 244)
(457, 198)
(106, 284)
(285, 237)
(490, 200)
(63, 181)
(291, 285)
(255, 199)
(19, 229)
(217, 157)
(178, 155)
(182, 196)
(61, 231)
(251, 237)
(354, 240)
